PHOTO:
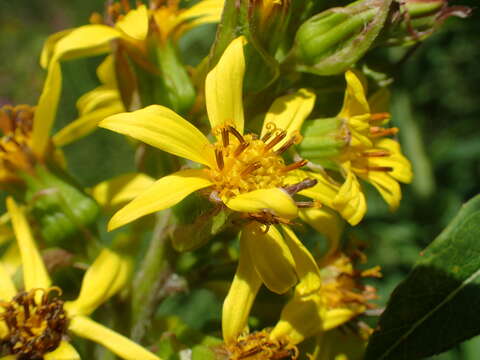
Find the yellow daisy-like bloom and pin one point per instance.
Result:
(19, 136)
(369, 155)
(326, 302)
(245, 172)
(16, 124)
(34, 324)
(123, 29)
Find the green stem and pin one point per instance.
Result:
(150, 279)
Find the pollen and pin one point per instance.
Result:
(246, 163)
(36, 323)
(260, 346)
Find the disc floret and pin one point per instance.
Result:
(36, 324)
(246, 162)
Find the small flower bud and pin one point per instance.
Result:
(322, 139)
(332, 41)
(61, 209)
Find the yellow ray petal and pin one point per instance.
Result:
(46, 109)
(106, 72)
(163, 194)
(116, 343)
(65, 351)
(387, 186)
(210, 9)
(8, 357)
(271, 257)
(305, 265)
(48, 49)
(355, 101)
(223, 88)
(203, 12)
(289, 112)
(100, 97)
(7, 287)
(402, 169)
(34, 272)
(275, 201)
(240, 298)
(301, 318)
(135, 23)
(350, 201)
(162, 128)
(326, 222)
(87, 40)
(121, 189)
(85, 124)
(100, 282)
(337, 317)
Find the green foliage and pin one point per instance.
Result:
(435, 307)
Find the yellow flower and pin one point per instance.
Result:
(20, 135)
(128, 30)
(245, 172)
(368, 154)
(34, 322)
(324, 303)
(254, 267)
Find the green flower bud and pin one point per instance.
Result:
(415, 20)
(60, 207)
(332, 41)
(322, 140)
(165, 79)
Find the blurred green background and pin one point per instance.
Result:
(436, 103)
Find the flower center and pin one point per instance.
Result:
(16, 125)
(260, 346)
(247, 163)
(35, 324)
(342, 285)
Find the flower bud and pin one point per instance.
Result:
(166, 80)
(332, 41)
(414, 20)
(322, 139)
(61, 208)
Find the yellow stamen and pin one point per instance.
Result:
(246, 163)
(376, 131)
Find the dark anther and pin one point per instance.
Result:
(219, 158)
(241, 148)
(225, 137)
(250, 168)
(302, 185)
(236, 134)
(276, 140)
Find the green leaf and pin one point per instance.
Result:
(436, 307)
(262, 69)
